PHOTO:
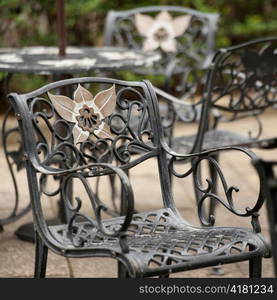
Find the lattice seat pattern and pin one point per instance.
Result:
(157, 240)
(212, 139)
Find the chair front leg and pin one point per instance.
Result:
(40, 257)
(255, 267)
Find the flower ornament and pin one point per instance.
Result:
(263, 65)
(161, 31)
(87, 112)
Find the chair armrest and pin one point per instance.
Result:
(95, 169)
(189, 111)
(170, 98)
(92, 169)
(209, 192)
(184, 156)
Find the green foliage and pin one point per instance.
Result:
(30, 22)
(33, 22)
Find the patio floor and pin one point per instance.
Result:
(17, 257)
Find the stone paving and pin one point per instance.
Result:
(17, 257)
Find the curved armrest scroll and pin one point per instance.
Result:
(209, 192)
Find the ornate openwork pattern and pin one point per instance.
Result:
(243, 82)
(246, 77)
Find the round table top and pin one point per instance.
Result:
(45, 60)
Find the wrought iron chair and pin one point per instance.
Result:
(88, 131)
(240, 83)
(184, 38)
(269, 167)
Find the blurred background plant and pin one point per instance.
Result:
(33, 22)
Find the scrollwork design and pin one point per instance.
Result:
(51, 192)
(207, 191)
(242, 84)
(97, 206)
(96, 151)
(244, 81)
(175, 161)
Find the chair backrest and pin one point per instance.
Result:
(242, 83)
(93, 124)
(176, 32)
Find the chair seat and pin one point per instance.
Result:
(212, 139)
(161, 242)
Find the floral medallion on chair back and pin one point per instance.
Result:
(161, 31)
(92, 125)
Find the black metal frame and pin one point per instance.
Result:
(145, 244)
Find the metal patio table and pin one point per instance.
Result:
(46, 60)
(42, 60)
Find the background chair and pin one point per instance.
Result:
(176, 32)
(184, 37)
(83, 132)
(240, 83)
